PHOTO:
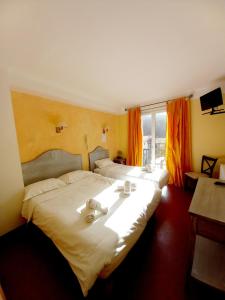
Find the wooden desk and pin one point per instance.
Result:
(208, 215)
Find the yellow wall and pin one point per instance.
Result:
(11, 181)
(36, 118)
(208, 134)
(123, 134)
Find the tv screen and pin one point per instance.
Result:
(211, 99)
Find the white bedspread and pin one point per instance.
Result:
(118, 171)
(94, 249)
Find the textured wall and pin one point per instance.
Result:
(208, 134)
(36, 118)
(11, 182)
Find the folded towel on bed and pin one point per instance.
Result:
(120, 188)
(133, 186)
(148, 168)
(90, 217)
(93, 204)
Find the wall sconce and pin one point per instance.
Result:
(104, 131)
(60, 126)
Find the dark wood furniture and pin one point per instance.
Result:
(207, 166)
(120, 160)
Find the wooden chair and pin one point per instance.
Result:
(207, 166)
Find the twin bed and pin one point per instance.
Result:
(100, 163)
(56, 193)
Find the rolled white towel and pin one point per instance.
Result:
(127, 187)
(148, 168)
(120, 188)
(90, 217)
(133, 186)
(93, 204)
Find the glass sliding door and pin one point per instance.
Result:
(154, 138)
(160, 139)
(147, 138)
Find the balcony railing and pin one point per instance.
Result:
(147, 153)
(160, 148)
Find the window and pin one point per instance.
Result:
(154, 138)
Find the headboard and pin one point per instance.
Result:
(52, 163)
(97, 153)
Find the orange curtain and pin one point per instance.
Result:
(178, 140)
(134, 137)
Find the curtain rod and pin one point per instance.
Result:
(189, 97)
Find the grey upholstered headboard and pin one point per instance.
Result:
(97, 153)
(52, 163)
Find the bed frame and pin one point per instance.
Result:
(96, 154)
(52, 163)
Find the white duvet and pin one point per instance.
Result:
(118, 171)
(94, 249)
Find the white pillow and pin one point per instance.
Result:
(42, 186)
(101, 163)
(74, 176)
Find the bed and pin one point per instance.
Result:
(118, 171)
(92, 249)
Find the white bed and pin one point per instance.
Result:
(118, 171)
(93, 249)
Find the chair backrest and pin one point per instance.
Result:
(208, 164)
(216, 170)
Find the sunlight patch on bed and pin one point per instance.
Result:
(129, 210)
(134, 172)
(107, 198)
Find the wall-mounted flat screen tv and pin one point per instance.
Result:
(211, 99)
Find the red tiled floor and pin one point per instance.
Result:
(157, 268)
(169, 261)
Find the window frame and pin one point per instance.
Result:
(153, 113)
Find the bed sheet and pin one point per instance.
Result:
(118, 171)
(94, 249)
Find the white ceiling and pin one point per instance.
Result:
(113, 54)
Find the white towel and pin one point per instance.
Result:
(148, 168)
(90, 217)
(133, 186)
(120, 188)
(93, 204)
